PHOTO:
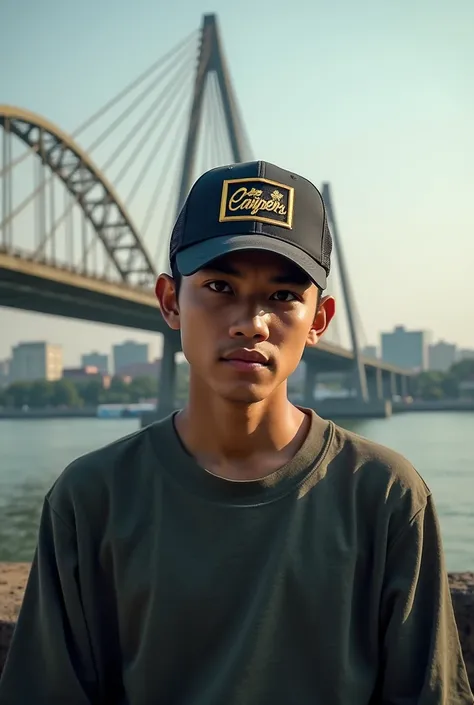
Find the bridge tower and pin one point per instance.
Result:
(211, 60)
(360, 376)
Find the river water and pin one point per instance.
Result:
(34, 452)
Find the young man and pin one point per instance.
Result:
(243, 551)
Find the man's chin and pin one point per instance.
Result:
(247, 394)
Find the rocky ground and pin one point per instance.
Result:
(13, 578)
(462, 592)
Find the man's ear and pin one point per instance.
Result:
(165, 290)
(322, 319)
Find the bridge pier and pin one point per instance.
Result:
(167, 379)
(403, 387)
(310, 378)
(351, 406)
(389, 385)
(375, 383)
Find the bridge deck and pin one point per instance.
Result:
(47, 288)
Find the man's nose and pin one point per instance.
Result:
(251, 325)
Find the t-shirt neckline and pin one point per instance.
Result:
(182, 467)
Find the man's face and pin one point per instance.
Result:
(245, 322)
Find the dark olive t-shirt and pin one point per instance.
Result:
(158, 583)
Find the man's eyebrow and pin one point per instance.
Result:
(295, 276)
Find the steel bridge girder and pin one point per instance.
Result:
(91, 190)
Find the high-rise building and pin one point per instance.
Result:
(141, 369)
(441, 356)
(465, 354)
(81, 375)
(407, 349)
(38, 360)
(370, 351)
(129, 353)
(96, 359)
(4, 373)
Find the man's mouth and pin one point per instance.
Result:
(246, 360)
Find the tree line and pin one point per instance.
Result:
(67, 393)
(432, 386)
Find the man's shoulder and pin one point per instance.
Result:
(379, 472)
(121, 467)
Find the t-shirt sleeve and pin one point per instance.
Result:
(50, 659)
(421, 659)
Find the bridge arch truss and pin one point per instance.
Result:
(58, 153)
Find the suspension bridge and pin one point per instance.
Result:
(86, 216)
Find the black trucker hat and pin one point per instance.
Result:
(253, 206)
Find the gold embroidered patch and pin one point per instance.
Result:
(257, 199)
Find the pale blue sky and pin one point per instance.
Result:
(375, 97)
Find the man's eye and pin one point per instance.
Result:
(219, 287)
(284, 296)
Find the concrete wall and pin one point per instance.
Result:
(13, 578)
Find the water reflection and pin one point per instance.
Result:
(33, 453)
(20, 512)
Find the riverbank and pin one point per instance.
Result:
(335, 409)
(433, 405)
(13, 577)
(83, 412)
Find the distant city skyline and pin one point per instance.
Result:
(29, 361)
(374, 98)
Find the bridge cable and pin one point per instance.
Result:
(247, 152)
(209, 158)
(206, 128)
(177, 88)
(174, 85)
(225, 155)
(188, 40)
(334, 332)
(218, 120)
(158, 190)
(128, 111)
(214, 121)
(163, 237)
(239, 123)
(192, 37)
(181, 69)
(14, 213)
(214, 130)
(363, 341)
(173, 121)
(134, 130)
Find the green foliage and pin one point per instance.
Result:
(432, 385)
(91, 392)
(41, 394)
(463, 370)
(67, 393)
(17, 395)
